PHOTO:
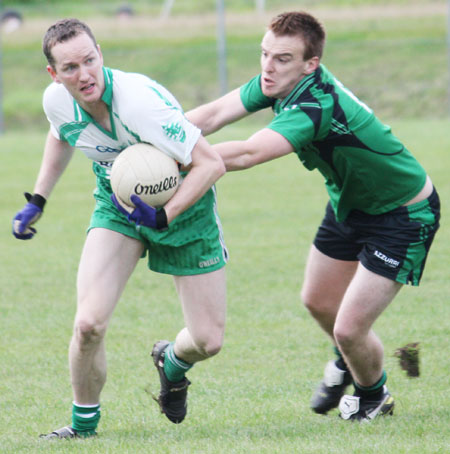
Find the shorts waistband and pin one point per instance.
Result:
(432, 199)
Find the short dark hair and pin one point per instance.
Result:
(304, 25)
(62, 31)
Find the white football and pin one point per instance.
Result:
(145, 171)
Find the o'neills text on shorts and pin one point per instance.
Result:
(209, 262)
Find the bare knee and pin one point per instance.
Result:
(88, 332)
(316, 304)
(210, 345)
(308, 300)
(346, 337)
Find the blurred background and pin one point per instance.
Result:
(391, 54)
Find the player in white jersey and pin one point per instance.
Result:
(101, 112)
(142, 109)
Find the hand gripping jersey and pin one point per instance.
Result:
(365, 166)
(140, 110)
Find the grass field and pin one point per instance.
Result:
(392, 55)
(252, 398)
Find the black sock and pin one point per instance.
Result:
(374, 392)
(340, 363)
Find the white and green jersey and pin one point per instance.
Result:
(140, 110)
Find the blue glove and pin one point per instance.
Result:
(143, 214)
(28, 215)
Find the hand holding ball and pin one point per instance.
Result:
(143, 170)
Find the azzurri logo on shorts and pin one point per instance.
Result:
(387, 260)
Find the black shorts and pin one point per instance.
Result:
(393, 244)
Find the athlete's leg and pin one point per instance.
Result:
(326, 280)
(203, 298)
(365, 299)
(325, 283)
(107, 261)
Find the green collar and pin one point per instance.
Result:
(108, 93)
(82, 115)
(299, 88)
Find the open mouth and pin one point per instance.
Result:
(88, 88)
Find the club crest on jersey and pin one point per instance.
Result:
(175, 132)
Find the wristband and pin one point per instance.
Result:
(36, 199)
(161, 220)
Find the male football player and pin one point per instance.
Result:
(101, 111)
(382, 214)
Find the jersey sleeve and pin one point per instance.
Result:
(252, 96)
(295, 126)
(159, 120)
(53, 101)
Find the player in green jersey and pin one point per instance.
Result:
(382, 213)
(102, 111)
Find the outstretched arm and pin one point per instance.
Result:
(213, 116)
(57, 155)
(265, 145)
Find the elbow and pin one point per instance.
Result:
(220, 169)
(215, 168)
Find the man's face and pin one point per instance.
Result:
(282, 64)
(78, 66)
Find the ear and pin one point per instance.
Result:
(100, 53)
(311, 65)
(53, 74)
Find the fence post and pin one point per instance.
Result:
(221, 47)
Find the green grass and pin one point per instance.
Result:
(253, 397)
(396, 64)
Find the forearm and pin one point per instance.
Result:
(235, 155)
(262, 146)
(196, 183)
(213, 116)
(206, 168)
(56, 157)
(203, 118)
(46, 180)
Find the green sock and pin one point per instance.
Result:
(340, 363)
(174, 368)
(373, 392)
(85, 419)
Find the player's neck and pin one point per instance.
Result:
(100, 113)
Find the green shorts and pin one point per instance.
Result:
(193, 244)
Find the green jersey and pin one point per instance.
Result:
(365, 166)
